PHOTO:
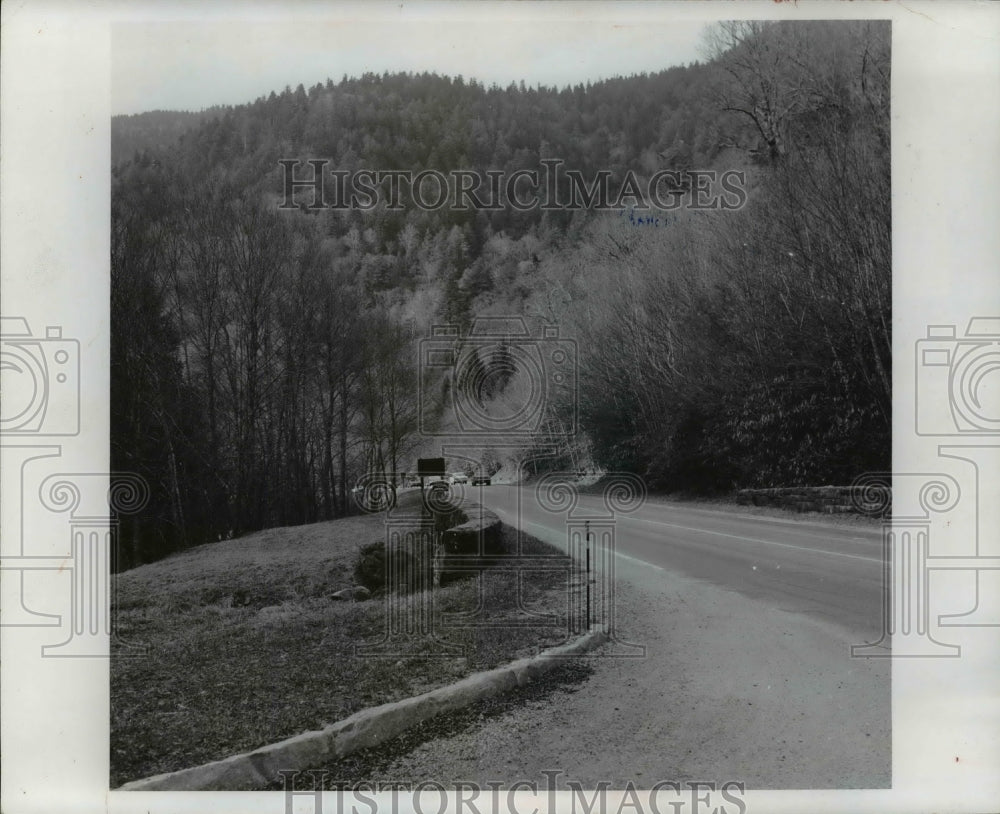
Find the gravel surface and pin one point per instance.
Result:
(728, 689)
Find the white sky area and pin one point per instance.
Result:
(194, 64)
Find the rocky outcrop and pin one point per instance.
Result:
(467, 545)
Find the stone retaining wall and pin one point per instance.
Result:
(825, 499)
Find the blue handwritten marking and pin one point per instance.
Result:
(650, 220)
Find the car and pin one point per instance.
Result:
(459, 477)
(481, 480)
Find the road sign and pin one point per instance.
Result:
(430, 467)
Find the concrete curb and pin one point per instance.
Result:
(365, 728)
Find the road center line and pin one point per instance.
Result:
(735, 518)
(720, 534)
(873, 534)
(753, 539)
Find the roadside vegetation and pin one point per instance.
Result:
(246, 646)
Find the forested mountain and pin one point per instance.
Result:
(155, 130)
(264, 357)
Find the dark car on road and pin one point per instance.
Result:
(481, 480)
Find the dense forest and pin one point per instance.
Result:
(263, 358)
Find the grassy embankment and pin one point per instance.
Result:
(222, 677)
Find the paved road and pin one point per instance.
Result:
(746, 624)
(831, 572)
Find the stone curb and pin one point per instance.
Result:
(365, 728)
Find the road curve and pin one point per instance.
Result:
(829, 571)
(746, 625)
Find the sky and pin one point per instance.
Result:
(196, 63)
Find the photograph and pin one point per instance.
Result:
(503, 407)
(672, 287)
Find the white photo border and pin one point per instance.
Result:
(55, 137)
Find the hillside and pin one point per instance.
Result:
(264, 356)
(155, 131)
